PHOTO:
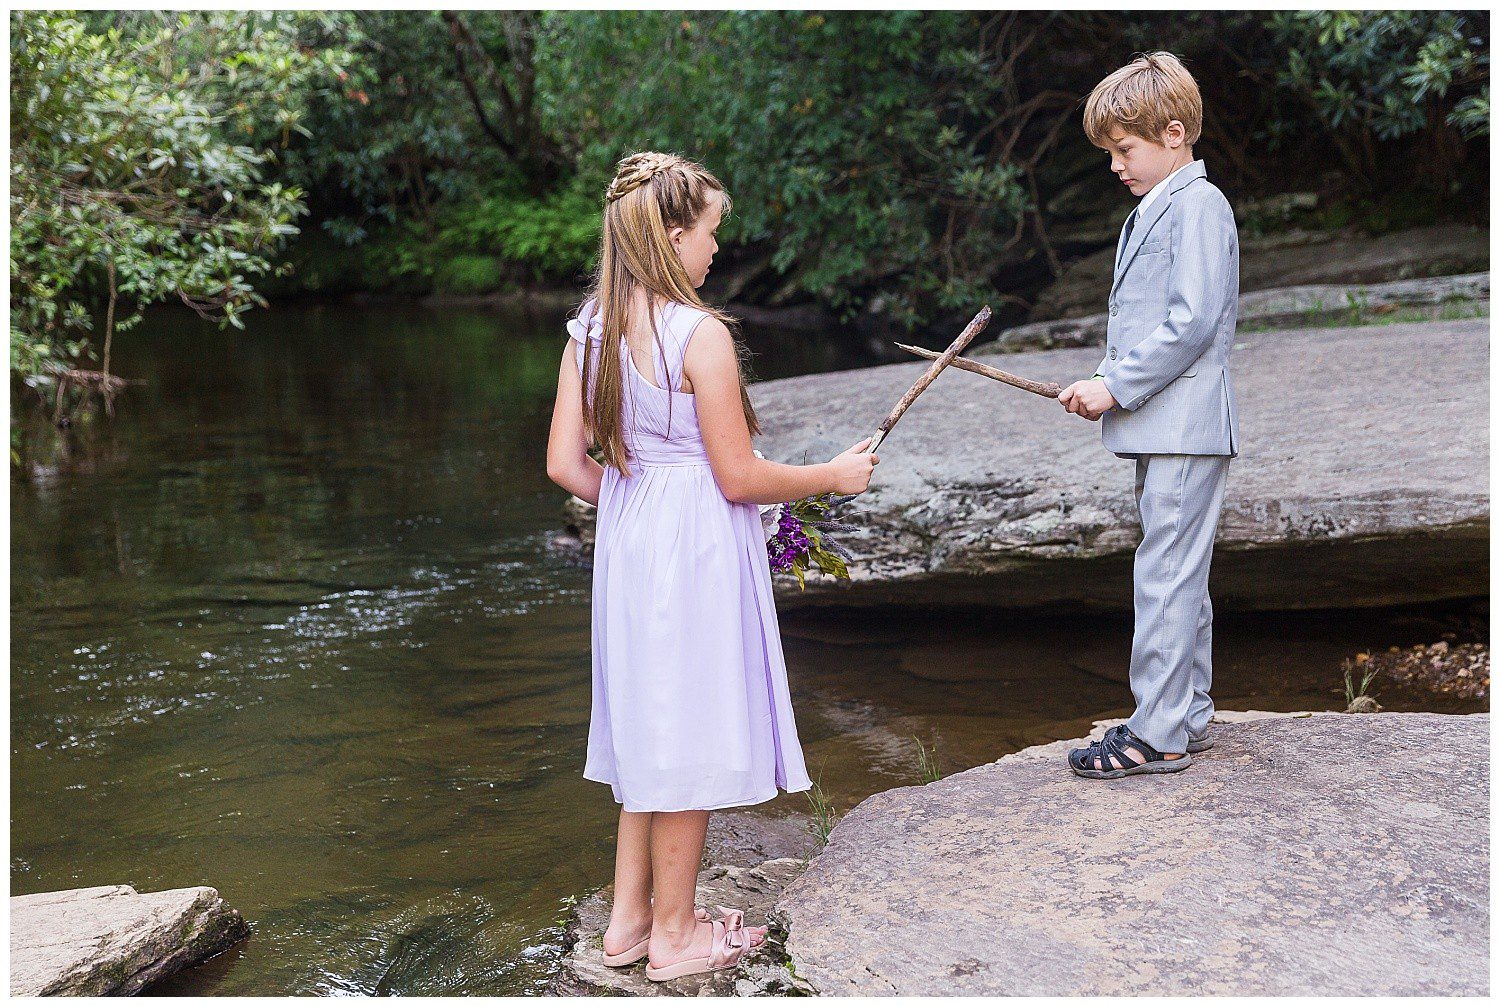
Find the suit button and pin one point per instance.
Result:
(1113, 353)
(1114, 309)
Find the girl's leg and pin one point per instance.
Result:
(676, 853)
(630, 917)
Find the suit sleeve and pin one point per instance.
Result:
(1198, 286)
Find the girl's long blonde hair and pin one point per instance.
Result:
(651, 194)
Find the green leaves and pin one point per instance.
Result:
(131, 176)
(847, 140)
(1390, 74)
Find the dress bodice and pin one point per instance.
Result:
(659, 419)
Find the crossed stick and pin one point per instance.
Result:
(939, 361)
(1050, 389)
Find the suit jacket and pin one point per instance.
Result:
(1171, 325)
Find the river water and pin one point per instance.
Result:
(292, 625)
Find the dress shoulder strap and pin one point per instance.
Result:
(679, 322)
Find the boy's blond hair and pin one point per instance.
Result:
(1142, 97)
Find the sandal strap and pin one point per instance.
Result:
(1152, 754)
(728, 943)
(1117, 746)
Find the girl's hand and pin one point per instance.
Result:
(852, 470)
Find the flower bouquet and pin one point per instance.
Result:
(799, 536)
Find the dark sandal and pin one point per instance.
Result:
(1112, 752)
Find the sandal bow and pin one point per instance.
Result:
(728, 939)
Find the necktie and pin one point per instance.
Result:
(1129, 226)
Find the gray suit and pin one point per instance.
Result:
(1171, 327)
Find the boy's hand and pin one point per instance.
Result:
(1089, 399)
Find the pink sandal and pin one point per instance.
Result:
(639, 950)
(727, 946)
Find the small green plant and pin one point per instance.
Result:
(1358, 302)
(927, 762)
(824, 817)
(565, 906)
(1361, 670)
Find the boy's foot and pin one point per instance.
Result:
(1121, 753)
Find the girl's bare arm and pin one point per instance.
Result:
(713, 368)
(568, 461)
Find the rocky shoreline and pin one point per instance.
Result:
(748, 860)
(1446, 668)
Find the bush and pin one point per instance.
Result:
(555, 236)
(471, 274)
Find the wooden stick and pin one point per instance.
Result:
(940, 361)
(1050, 389)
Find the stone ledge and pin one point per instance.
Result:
(1309, 854)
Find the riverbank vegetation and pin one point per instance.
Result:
(897, 165)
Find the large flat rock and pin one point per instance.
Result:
(112, 940)
(1363, 477)
(1313, 854)
(1465, 296)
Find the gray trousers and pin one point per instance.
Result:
(1171, 654)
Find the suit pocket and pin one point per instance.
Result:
(1152, 247)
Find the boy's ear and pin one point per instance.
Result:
(1174, 134)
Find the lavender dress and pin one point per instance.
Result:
(691, 709)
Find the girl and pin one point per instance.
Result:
(691, 710)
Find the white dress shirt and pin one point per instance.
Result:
(1156, 190)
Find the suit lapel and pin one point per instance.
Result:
(1148, 219)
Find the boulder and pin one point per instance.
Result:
(1363, 477)
(112, 940)
(1303, 855)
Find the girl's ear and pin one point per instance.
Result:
(675, 235)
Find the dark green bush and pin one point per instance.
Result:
(555, 236)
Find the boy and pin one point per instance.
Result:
(1164, 394)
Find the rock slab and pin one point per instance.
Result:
(1294, 259)
(1363, 477)
(112, 940)
(1315, 854)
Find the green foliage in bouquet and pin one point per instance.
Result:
(804, 538)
